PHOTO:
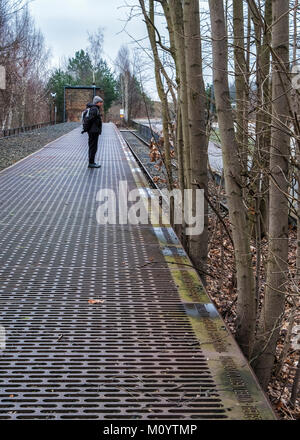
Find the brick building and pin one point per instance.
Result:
(75, 100)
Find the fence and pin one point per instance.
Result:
(19, 130)
(145, 131)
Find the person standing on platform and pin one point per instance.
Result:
(92, 123)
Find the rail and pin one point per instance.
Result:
(146, 134)
(213, 174)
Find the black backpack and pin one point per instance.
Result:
(85, 120)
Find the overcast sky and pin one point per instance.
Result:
(65, 23)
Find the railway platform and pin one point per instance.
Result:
(105, 321)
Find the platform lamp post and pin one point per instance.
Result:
(94, 85)
(53, 95)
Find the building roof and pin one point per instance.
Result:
(82, 87)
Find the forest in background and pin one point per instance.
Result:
(32, 89)
(255, 45)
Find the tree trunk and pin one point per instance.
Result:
(176, 14)
(273, 306)
(198, 244)
(179, 150)
(246, 312)
(126, 96)
(295, 98)
(298, 221)
(260, 165)
(160, 89)
(240, 79)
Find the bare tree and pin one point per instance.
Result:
(176, 24)
(122, 64)
(273, 306)
(197, 123)
(23, 101)
(232, 172)
(95, 48)
(149, 19)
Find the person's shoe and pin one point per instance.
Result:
(94, 165)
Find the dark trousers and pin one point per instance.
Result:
(93, 145)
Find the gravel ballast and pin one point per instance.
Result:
(142, 151)
(15, 148)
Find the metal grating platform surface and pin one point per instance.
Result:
(153, 348)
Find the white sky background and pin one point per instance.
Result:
(65, 23)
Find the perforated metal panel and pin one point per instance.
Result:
(135, 354)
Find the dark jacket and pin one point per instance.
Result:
(95, 118)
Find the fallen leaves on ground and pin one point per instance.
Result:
(222, 288)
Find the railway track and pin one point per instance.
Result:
(212, 173)
(130, 144)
